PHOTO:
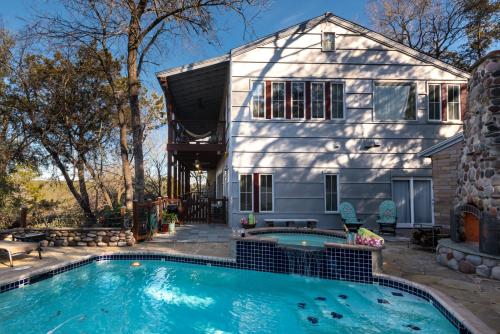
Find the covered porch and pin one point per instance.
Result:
(195, 98)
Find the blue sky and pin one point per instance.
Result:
(277, 15)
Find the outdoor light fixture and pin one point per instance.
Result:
(135, 264)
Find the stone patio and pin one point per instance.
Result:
(479, 295)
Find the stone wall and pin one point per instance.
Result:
(479, 168)
(90, 237)
(444, 181)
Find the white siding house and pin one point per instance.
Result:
(319, 113)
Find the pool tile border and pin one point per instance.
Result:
(434, 297)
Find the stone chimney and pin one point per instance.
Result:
(479, 167)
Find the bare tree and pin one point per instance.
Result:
(143, 24)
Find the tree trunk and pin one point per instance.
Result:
(133, 94)
(85, 200)
(127, 173)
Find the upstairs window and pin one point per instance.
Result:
(317, 100)
(337, 100)
(328, 41)
(246, 193)
(258, 100)
(278, 100)
(453, 105)
(331, 193)
(394, 101)
(298, 99)
(434, 102)
(266, 192)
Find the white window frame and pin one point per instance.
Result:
(374, 84)
(263, 97)
(448, 106)
(323, 41)
(251, 192)
(284, 99)
(325, 175)
(412, 208)
(343, 100)
(429, 102)
(303, 84)
(272, 192)
(322, 83)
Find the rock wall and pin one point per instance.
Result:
(90, 237)
(479, 169)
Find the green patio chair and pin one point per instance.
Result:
(387, 217)
(348, 217)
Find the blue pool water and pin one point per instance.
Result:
(168, 297)
(302, 239)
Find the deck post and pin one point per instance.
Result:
(169, 175)
(174, 193)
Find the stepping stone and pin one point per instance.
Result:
(320, 298)
(312, 320)
(301, 305)
(397, 294)
(336, 315)
(383, 301)
(413, 327)
(343, 296)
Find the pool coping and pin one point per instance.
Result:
(464, 320)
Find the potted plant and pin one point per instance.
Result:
(171, 219)
(249, 222)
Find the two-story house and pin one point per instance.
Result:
(325, 111)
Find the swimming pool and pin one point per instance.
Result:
(163, 297)
(302, 239)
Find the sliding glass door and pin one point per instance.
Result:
(413, 198)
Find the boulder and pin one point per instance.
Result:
(483, 270)
(489, 262)
(495, 273)
(458, 255)
(58, 243)
(122, 243)
(474, 259)
(466, 267)
(442, 250)
(102, 244)
(44, 243)
(453, 264)
(81, 243)
(101, 233)
(442, 259)
(91, 244)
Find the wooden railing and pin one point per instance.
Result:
(147, 216)
(198, 207)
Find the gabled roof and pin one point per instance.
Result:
(429, 152)
(308, 24)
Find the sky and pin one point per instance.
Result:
(278, 14)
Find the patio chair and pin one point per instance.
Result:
(348, 217)
(14, 248)
(387, 217)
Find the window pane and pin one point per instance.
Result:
(331, 192)
(298, 99)
(422, 205)
(258, 102)
(337, 100)
(401, 196)
(328, 41)
(246, 192)
(317, 100)
(278, 99)
(453, 102)
(394, 102)
(266, 193)
(434, 102)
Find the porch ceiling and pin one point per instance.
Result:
(197, 94)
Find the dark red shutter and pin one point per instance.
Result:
(288, 99)
(463, 100)
(255, 192)
(308, 99)
(444, 102)
(268, 99)
(328, 101)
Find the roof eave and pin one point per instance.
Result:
(193, 66)
(429, 152)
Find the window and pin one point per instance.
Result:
(337, 100)
(434, 102)
(266, 193)
(298, 99)
(278, 100)
(317, 100)
(394, 101)
(258, 100)
(453, 106)
(328, 41)
(246, 192)
(331, 193)
(413, 198)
